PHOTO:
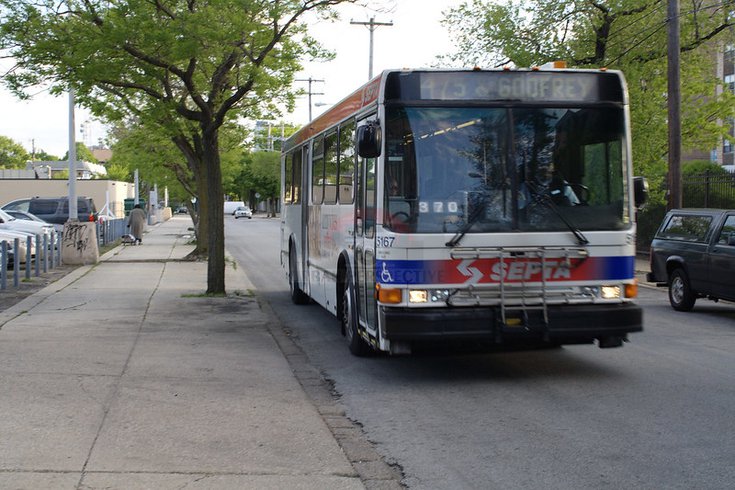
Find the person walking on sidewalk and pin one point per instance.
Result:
(136, 223)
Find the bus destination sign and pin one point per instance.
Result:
(562, 87)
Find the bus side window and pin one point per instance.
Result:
(296, 198)
(346, 162)
(317, 171)
(288, 178)
(370, 189)
(330, 168)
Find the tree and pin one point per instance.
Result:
(12, 154)
(187, 67)
(158, 161)
(629, 35)
(84, 154)
(261, 174)
(42, 156)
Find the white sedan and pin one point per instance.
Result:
(243, 212)
(8, 222)
(9, 237)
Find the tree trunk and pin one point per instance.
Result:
(191, 148)
(215, 213)
(202, 249)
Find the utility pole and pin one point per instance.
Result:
(73, 216)
(674, 103)
(372, 25)
(310, 80)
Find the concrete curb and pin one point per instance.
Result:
(372, 469)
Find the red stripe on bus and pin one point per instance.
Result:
(359, 99)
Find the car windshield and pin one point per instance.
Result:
(476, 170)
(6, 217)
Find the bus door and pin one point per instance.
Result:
(366, 213)
(305, 200)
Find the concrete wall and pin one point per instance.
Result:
(11, 189)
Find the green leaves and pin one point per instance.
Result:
(12, 154)
(629, 35)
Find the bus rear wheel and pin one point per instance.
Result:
(357, 345)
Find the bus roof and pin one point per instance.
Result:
(445, 85)
(357, 100)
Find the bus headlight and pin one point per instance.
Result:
(418, 296)
(610, 292)
(428, 295)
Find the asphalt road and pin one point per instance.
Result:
(656, 413)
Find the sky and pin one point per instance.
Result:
(414, 40)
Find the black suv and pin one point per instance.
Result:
(56, 209)
(693, 253)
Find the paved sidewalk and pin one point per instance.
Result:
(122, 375)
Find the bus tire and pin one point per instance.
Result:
(357, 345)
(681, 296)
(298, 297)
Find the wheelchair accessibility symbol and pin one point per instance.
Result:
(385, 274)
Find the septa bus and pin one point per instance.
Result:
(497, 206)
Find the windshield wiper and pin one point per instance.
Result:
(471, 220)
(546, 200)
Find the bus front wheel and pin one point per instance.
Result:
(357, 345)
(298, 297)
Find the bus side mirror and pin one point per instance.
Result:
(640, 191)
(369, 140)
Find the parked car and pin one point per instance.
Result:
(18, 214)
(243, 212)
(182, 210)
(8, 222)
(231, 206)
(17, 204)
(693, 254)
(9, 236)
(55, 210)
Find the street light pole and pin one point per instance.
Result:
(372, 25)
(72, 160)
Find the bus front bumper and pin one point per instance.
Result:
(566, 323)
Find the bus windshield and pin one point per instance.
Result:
(493, 169)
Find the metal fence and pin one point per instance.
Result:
(36, 255)
(31, 256)
(708, 191)
(110, 230)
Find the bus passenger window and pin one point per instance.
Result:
(297, 175)
(288, 179)
(346, 162)
(330, 168)
(317, 172)
(369, 197)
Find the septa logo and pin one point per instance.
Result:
(522, 270)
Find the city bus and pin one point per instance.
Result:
(483, 206)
